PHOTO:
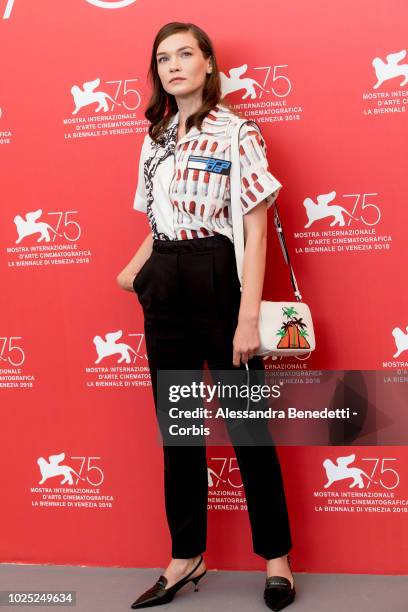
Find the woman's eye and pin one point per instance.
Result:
(164, 58)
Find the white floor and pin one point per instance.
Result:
(101, 589)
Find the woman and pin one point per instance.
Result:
(185, 277)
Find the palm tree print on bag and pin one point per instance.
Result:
(292, 332)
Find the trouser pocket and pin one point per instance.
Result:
(139, 275)
(157, 285)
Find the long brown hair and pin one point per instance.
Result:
(162, 105)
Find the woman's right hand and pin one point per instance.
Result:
(126, 277)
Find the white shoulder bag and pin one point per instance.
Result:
(285, 328)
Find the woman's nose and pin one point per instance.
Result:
(174, 63)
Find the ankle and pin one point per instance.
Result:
(278, 560)
(278, 563)
(186, 560)
(182, 564)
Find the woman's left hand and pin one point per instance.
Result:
(246, 341)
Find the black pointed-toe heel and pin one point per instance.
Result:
(279, 592)
(158, 594)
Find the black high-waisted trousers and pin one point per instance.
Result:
(190, 295)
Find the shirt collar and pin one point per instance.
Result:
(213, 123)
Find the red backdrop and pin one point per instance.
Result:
(327, 83)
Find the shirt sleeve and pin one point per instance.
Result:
(140, 201)
(257, 182)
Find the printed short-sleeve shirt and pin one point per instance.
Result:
(184, 186)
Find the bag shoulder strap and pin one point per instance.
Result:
(237, 217)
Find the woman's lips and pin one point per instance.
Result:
(177, 79)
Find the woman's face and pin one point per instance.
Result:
(179, 56)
